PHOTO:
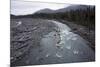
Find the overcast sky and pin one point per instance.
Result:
(26, 7)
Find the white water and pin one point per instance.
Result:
(72, 47)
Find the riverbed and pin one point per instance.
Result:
(59, 46)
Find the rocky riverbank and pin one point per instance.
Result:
(30, 45)
(27, 33)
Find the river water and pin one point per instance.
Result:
(61, 46)
(72, 47)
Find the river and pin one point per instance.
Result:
(61, 46)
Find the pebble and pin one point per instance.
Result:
(19, 23)
(11, 58)
(47, 55)
(58, 55)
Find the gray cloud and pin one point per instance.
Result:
(25, 7)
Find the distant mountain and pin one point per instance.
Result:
(62, 10)
(72, 7)
(46, 10)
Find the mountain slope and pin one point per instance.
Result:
(46, 10)
(73, 7)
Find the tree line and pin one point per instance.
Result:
(84, 17)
